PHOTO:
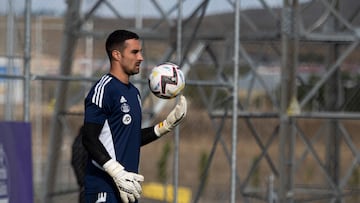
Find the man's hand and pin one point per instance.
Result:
(173, 119)
(128, 183)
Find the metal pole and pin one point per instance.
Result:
(289, 42)
(27, 58)
(10, 62)
(235, 103)
(333, 101)
(139, 17)
(38, 135)
(177, 131)
(38, 36)
(283, 106)
(72, 26)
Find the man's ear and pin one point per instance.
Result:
(116, 54)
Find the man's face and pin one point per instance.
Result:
(131, 57)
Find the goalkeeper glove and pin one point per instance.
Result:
(173, 119)
(128, 183)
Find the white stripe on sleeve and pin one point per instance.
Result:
(99, 90)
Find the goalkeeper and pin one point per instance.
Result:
(112, 125)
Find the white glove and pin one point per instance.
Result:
(128, 183)
(173, 119)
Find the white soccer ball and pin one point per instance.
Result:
(166, 80)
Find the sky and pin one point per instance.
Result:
(128, 8)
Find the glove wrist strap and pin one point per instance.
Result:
(112, 167)
(161, 128)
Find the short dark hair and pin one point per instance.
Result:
(116, 40)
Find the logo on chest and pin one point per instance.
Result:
(125, 108)
(126, 119)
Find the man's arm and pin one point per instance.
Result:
(92, 143)
(148, 135)
(128, 183)
(172, 120)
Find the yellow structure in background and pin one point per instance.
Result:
(157, 191)
(294, 107)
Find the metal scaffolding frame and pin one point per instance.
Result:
(331, 28)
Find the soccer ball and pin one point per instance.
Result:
(166, 80)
